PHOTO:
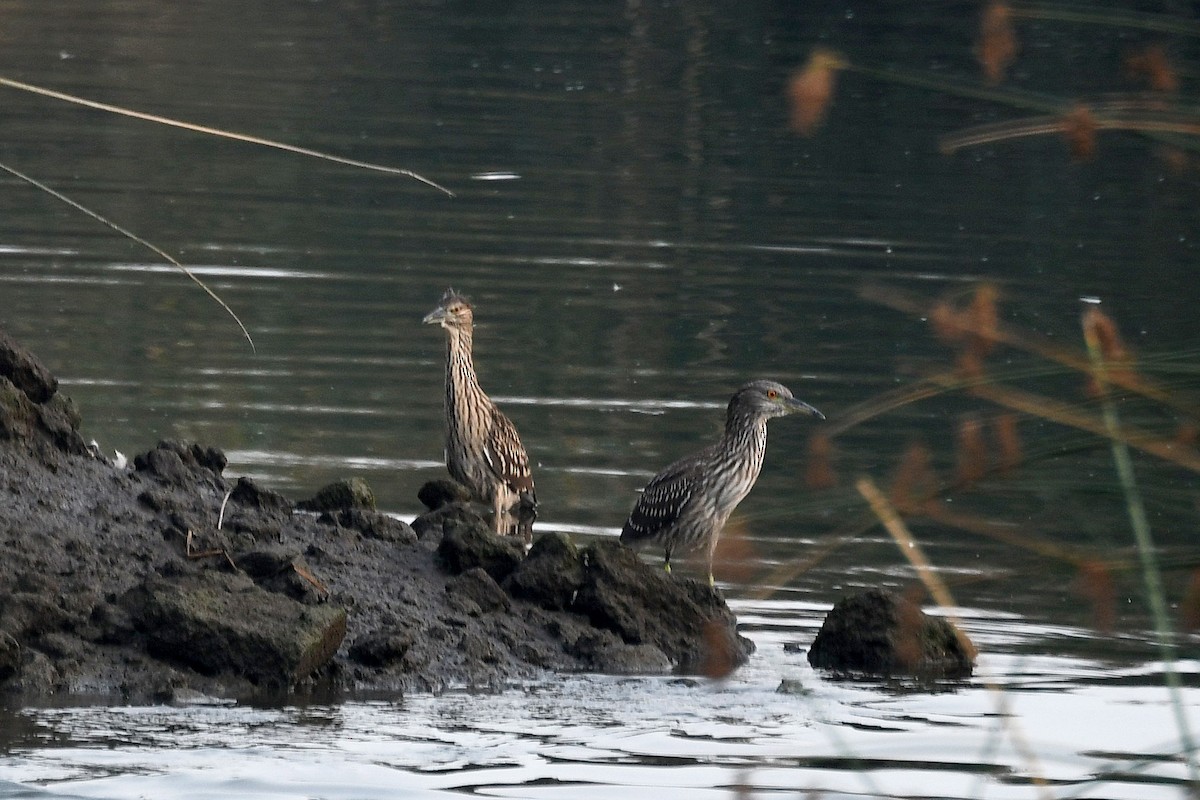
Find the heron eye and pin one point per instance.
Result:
(771, 393)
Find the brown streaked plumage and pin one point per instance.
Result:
(686, 505)
(483, 450)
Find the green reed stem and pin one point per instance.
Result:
(1145, 546)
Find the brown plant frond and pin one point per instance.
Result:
(1187, 435)
(984, 319)
(1079, 128)
(1189, 607)
(818, 471)
(1100, 332)
(1008, 442)
(719, 661)
(915, 484)
(810, 90)
(1152, 65)
(948, 323)
(996, 47)
(735, 554)
(1095, 583)
(971, 452)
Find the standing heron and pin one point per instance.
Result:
(686, 504)
(483, 450)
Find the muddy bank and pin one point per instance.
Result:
(168, 577)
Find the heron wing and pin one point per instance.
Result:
(507, 457)
(660, 506)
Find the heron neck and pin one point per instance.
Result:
(461, 380)
(745, 438)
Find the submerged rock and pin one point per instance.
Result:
(879, 633)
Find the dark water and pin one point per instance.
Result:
(640, 232)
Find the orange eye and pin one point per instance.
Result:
(771, 393)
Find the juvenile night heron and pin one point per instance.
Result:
(686, 505)
(483, 451)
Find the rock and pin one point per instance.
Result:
(341, 494)
(467, 544)
(381, 648)
(25, 372)
(373, 525)
(441, 492)
(46, 429)
(249, 494)
(879, 633)
(793, 686)
(217, 623)
(550, 575)
(430, 525)
(10, 656)
(686, 620)
(477, 587)
(117, 582)
(605, 651)
(179, 465)
(285, 572)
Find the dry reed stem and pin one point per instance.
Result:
(132, 237)
(1073, 123)
(1004, 533)
(224, 134)
(1064, 414)
(916, 556)
(908, 303)
(937, 589)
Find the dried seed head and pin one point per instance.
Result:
(819, 472)
(997, 46)
(810, 90)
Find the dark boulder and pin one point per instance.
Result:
(341, 494)
(381, 649)
(476, 593)
(550, 575)
(879, 633)
(685, 619)
(466, 544)
(373, 525)
(442, 492)
(217, 623)
(25, 372)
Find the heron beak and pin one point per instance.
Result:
(435, 317)
(794, 406)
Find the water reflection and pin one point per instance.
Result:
(596, 736)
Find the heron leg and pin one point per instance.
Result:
(667, 560)
(498, 511)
